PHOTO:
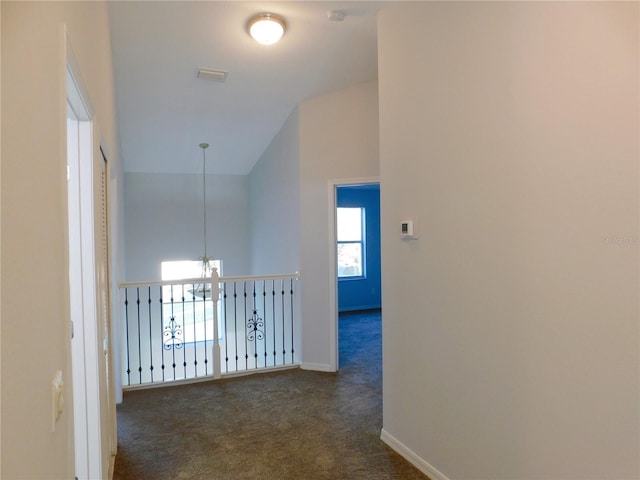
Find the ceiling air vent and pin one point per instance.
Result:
(216, 75)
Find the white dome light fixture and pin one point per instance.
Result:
(266, 28)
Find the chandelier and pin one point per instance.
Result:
(204, 289)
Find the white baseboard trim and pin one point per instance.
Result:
(112, 467)
(359, 308)
(318, 367)
(413, 458)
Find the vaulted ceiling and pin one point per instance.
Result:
(165, 111)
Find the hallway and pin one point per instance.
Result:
(293, 424)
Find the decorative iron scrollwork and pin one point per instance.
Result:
(255, 326)
(173, 335)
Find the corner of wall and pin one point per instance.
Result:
(411, 456)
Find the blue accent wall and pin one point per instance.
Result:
(362, 294)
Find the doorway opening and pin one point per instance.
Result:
(93, 409)
(84, 345)
(355, 249)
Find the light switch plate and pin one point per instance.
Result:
(57, 400)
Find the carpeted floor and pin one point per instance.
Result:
(293, 424)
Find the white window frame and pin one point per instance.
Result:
(361, 242)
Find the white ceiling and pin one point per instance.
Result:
(165, 111)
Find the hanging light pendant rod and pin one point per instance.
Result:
(204, 146)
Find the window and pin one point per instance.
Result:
(177, 270)
(187, 317)
(351, 242)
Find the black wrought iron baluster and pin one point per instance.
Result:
(264, 311)
(292, 346)
(161, 320)
(173, 333)
(126, 322)
(139, 341)
(255, 325)
(226, 342)
(184, 326)
(195, 334)
(172, 329)
(246, 346)
(150, 334)
(273, 317)
(284, 351)
(235, 320)
(204, 321)
(259, 324)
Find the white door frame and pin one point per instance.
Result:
(85, 349)
(333, 271)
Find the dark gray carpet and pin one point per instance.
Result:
(293, 424)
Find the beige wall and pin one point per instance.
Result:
(274, 204)
(35, 319)
(338, 140)
(164, 221)
(509, 131)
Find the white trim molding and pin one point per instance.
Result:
(317, 367)
(412, 457)
(76, 92)
(332, 185)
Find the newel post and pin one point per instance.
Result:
(215, 298)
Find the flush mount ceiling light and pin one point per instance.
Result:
(266, 28)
